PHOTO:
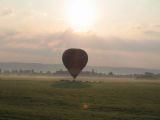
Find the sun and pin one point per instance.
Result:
(81, 14)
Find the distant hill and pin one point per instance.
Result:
(54, 67)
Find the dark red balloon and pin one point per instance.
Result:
(75, 60)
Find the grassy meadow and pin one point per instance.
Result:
(48, 98)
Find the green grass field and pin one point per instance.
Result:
(42, 98)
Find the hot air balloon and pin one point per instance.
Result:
(75, 60)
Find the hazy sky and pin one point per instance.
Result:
(113, 32)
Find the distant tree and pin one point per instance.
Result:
(93, 72)
(48, 73)
(7, 72)
(41, 72)
(20, 71)
(111, 74)
(158, 75)
(148, 74)
(14, 72)
(32, 71)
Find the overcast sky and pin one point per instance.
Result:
(113, 32)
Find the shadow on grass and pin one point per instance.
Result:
(71, 84)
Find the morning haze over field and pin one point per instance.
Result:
(117, 33)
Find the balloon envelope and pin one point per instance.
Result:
(74, 60)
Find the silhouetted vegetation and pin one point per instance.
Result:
(92, 73)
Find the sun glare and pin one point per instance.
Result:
(81, 14)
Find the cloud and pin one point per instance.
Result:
(6, 12)
(49, 48)
(146, 30)
(152, 33)
(69, 39)
(157, 25)
(38, 13)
